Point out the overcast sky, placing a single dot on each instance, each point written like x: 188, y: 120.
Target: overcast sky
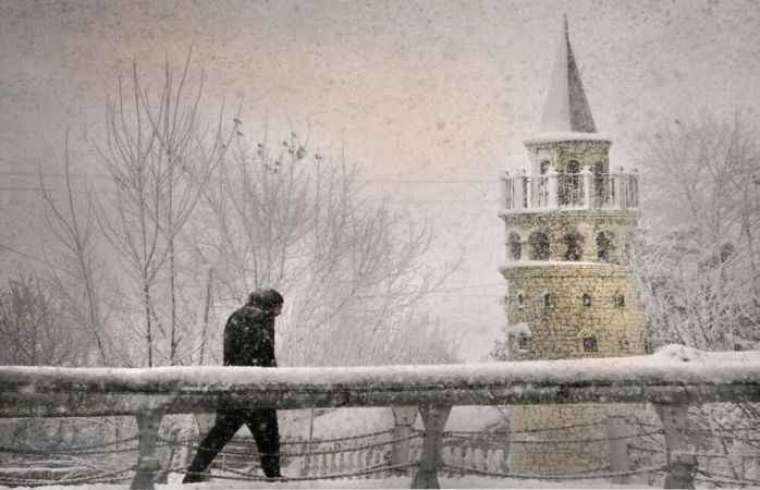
x: 433, y: 98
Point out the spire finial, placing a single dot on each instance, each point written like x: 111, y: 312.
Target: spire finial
x: 567, y: 27
x: 567, y: 108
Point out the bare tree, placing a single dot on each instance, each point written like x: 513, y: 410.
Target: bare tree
x: 159, y: 156
x: 34, y: 327
x: 74, y: 231
x: 284, y: 216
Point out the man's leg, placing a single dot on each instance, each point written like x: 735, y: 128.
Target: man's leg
x: 227, y: 423
x: 263, y: 426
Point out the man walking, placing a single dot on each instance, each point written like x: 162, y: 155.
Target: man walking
x: 248, y: 341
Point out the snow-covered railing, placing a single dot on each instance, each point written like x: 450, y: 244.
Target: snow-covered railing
x: 583, y: 190
x: 671, y: 380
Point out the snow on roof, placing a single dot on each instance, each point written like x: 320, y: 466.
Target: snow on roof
x: 475, y: 418
x: 519, y: 328
x: 557, y: 136
x: 555, y: 263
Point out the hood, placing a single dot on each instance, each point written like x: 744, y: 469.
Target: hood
x: 265, y: 299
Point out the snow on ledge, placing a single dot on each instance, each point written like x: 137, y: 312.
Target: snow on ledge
x: 678, y: 352
x: 554, y: 263
x: 673, y: 364
x: 560, y: 265
x: 556, y: 137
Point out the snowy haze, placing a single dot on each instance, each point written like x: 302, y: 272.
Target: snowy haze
x: 433, y: 98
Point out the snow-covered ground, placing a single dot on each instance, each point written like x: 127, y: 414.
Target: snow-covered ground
x: 395, y: 482
x: 365, y: 483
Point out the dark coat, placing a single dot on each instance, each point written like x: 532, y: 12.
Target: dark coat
x: 249, y: 338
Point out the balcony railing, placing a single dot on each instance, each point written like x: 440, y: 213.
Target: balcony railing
x: 584, y: 190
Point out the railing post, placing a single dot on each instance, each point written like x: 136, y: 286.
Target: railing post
x: 586, y: 179
x: 682, y: 463
x: 634, y: 182
x: 618, y: 447
x: 552, y: 178
x: 507, y: 191
x: 148, y: 465
x: 434, y: 418
x: 403, y: 418
x: 621, y: 188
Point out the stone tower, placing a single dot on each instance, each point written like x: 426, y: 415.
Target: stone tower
x: 569, y: 221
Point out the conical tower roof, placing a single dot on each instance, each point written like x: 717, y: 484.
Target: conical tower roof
x: 567, y: 109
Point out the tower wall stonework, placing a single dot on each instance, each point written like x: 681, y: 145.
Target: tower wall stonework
x: 585, y: 303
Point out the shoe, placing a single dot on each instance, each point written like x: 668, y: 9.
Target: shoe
x: 196, y: 477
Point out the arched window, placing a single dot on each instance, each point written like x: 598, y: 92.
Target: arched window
x: 544, y: 167
x: 589, y: 344
x: 520, y: 300
x: 573, y: 246
x: 515, y: 246
x: 523, y: 343
x: 604, y: 246
x: 586, y: 300
x: 574, y: 182
x: 619, y: 300
x: 539, y: 246
x: 549, y: 300
x: 569, y: 188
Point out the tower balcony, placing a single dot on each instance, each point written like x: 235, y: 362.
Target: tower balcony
x: 571, y: 191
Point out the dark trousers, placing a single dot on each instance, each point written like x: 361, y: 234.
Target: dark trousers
x: 263, y: 425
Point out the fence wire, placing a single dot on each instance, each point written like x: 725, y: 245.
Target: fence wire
x: 348, y: 445
x: 584, y: 441
x: 594, y: 474
x: 318, y: 452
x: 100, y: 478
x: 240, y: 475
x: 711, y: 476
x: 89, y: 449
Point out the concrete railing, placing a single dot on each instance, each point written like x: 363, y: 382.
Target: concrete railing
x: 670, y: 381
